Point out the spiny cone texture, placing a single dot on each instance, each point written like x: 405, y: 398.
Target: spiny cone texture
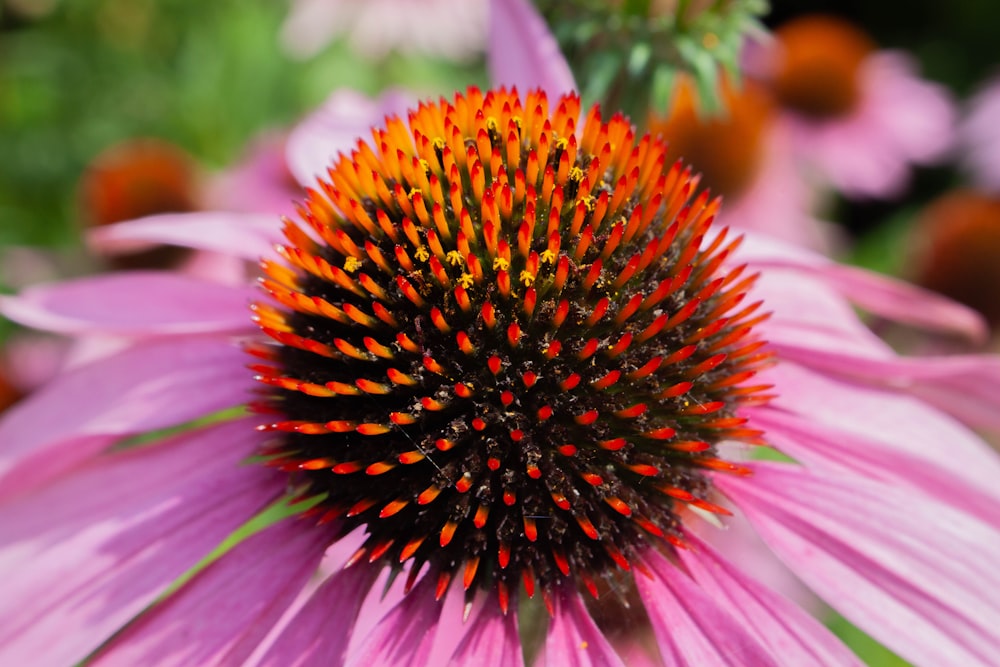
x: 503, y: 344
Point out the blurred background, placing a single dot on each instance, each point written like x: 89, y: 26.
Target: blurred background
x: 113, y: 109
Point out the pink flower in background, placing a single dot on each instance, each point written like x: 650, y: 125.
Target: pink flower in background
x: 454, y: 29
x: 980, y: 138
x: 859, y: 118
x: 745, y: 156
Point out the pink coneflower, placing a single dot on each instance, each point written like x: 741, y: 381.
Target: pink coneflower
x: 454, y: 29
x: 507, y: 364
x: 745, y: 156
x: 858, y: 117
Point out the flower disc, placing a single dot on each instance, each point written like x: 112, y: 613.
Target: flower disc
x: 504, y: 344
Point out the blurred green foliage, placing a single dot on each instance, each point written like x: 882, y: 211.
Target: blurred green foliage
x: 206, y: 76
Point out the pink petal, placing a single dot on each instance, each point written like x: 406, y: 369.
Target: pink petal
x: 825, y: 447
x: 888, y: 297
x: 223, y: 613
x: 245, y: 235
x: 93, y: 550
x: 908, y: 571
x: 492, y: 639
x: 522, y: 51
x: 319, y: 634
x: 967, y: 386
x: 690, y: 628
x: 346, y: 117
x: 405, y: 636
x: 132, y: 303
x: 574, y: 640
x: 146, y: 387
x: 259, y: 183
x: 893, y: 422
x: 794, y: 637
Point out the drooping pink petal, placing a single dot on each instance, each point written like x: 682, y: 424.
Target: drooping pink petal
x: 344, y: 118
x: 491, y: 639
x: 966, y: 386
x: 220, y: 615
x: 405, y: 635
x: 896, y: 423
x: 246, y: 235
x: 95, y: 549
x: 523, y: 52
x: 909, y: 571
x: 793, y: 636
x: 826, y: 447
x: 878, y: 294
x: 691, y: 629
x: 319, y: 633
x: 132, y: 303
x: 573, y: 639
x: 148, y: 386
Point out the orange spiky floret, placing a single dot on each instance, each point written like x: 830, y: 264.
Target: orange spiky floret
x: 497, y: 307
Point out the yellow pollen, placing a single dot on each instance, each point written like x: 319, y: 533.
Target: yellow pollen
x: 352, y: 264
x: 439, y: 144
x: 527, y: 278
x: 466, y: 280
x: 454, y: 257
x: 575, y: 174
x: 589, y: 201
x: 491, y: 124
x: 562, y: 143
x: 547, y: 256
x: 425, y: 165
x: 421, y: 254
x: 414, y: 191
x: 500, y: 264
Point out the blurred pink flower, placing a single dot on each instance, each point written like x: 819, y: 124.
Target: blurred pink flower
x: 454, y: 29
x: 980, y: 137
x: 859, y: 118
x: 745, y: 156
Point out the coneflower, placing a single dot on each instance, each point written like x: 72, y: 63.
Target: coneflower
x: 506, y: 363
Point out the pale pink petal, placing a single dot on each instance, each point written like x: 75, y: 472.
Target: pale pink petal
x: 691, y: 629
x: 146, y: 387
x: 491, y: 639
x: 523, y: 52
x: 878, y: 294
x: 405, y: 635
x: 907, y: 570
x: 966, y: 386
x: 755, y: 558
x: 247, y: 235
x: 319, y: 634
x: 794, y: 637
x: 218, y: 617
x: 260, y: 183
x: 132, y: 303
x: 97, y: 548
x: 336, y: 127
x: 573, y: 639
x: 826, y: 447
x: 893, y: 422
x: 980, y: 136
